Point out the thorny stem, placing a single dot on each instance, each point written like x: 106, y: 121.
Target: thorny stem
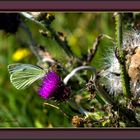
x: 119, y: 40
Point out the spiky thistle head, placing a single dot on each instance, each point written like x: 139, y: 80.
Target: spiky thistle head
x: 53, y: 86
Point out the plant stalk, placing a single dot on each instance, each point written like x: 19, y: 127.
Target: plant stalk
x: 119, y: 43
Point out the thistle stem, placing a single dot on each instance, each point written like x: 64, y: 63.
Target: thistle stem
x: 119, y: 40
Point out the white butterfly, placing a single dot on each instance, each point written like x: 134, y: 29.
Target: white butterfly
x: 23, y: 75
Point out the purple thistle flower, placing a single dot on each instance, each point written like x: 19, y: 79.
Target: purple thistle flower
x: 53, y: 86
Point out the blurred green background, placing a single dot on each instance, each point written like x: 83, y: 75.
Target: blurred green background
x: 25, y: 108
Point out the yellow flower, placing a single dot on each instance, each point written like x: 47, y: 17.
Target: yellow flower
x: 20, y: 54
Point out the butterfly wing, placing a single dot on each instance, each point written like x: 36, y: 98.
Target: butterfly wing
x: 23, y: 75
